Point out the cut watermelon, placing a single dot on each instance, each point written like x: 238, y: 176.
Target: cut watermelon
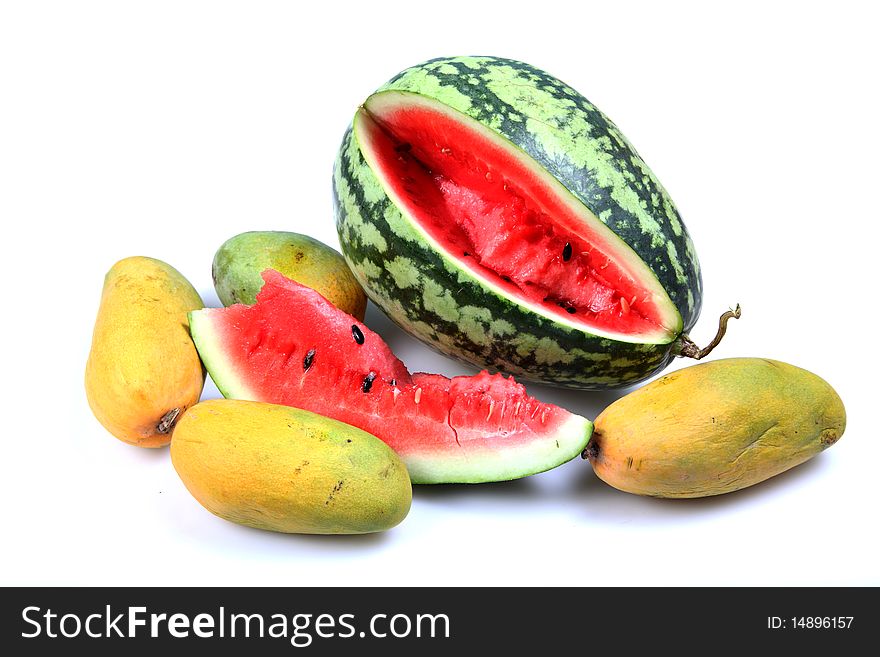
x: 497, y: 215
x: 482, y: 201
x: 295, y: 348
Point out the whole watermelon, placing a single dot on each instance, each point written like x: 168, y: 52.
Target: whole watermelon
x: 498, y: 216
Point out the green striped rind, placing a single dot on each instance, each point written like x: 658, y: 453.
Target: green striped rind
x: 439, y: 302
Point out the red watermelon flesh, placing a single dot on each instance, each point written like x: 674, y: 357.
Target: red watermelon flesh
x: 484, y: 206
x: 294, y: 347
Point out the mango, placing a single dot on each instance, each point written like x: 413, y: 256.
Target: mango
x: 714, y: 428
x: 143, y: 370
x: 287, y: 470
x: 239, y: 262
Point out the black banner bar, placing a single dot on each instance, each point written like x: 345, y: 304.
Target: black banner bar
x: 434, y: 621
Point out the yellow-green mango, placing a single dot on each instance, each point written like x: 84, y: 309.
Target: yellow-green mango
x: 143, y: 370
x: 287, y: 470
x: 239, y: 262
x: 715, y: 428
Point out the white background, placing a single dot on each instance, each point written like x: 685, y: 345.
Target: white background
x: 164, y: 128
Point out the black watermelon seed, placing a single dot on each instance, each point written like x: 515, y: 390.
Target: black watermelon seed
x: 569, y: 310
x: 307, y: 361
x: 392, y: 382
x: 368, y: 382
x: 566, y: 252
x: 356, y: 334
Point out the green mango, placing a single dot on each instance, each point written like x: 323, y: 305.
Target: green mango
x: 239, y: 262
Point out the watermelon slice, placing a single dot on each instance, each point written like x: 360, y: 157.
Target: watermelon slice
x: 293, y: 347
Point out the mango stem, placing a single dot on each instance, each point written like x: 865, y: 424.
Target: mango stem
x: 166, y: 422
x: 591, y: 451
x: 689, y: 348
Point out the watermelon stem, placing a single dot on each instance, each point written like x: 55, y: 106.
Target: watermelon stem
x: 689, y: 348
x: 166, y: 422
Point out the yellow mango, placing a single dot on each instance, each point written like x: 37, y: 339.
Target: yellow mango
x: 714, y: 428
x: 143, y: 370
x: 287, y: 470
